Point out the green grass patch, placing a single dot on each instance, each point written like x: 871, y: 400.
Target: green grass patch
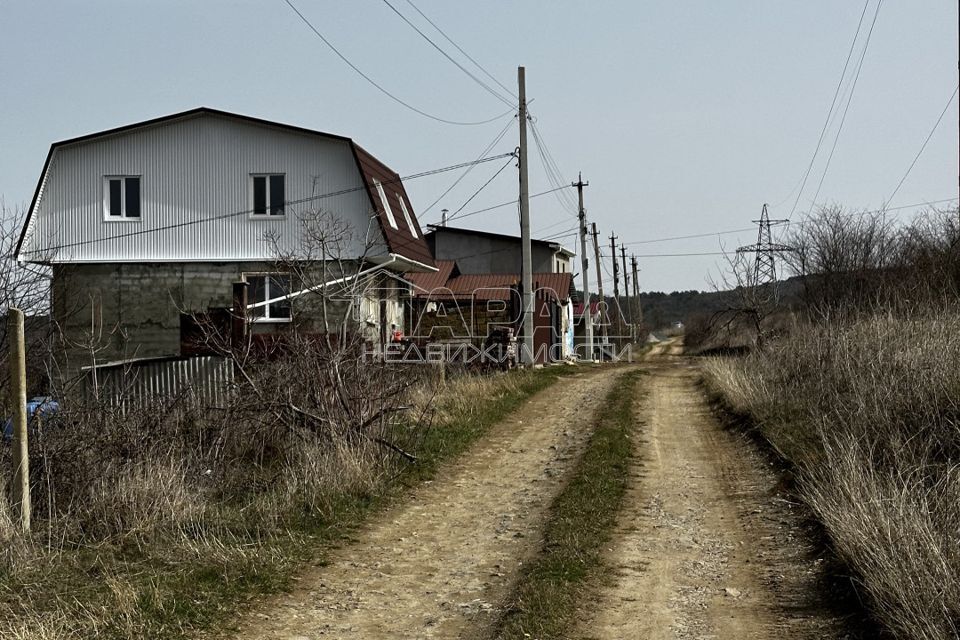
x: 581, y: 520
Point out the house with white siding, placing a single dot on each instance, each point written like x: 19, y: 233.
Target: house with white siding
x: 149, y: 223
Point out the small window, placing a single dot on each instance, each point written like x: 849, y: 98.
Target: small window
x: 406, y: 216
x: 265, y: 287
x: 121, y: 197
x: 269, y: 194
x: 386, y: 204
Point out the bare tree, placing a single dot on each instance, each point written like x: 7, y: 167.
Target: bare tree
x: 26, y: 287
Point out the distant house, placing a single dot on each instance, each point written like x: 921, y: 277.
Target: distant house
x: 485, y: 252
x: 149, y: 223
x: 455, y: 308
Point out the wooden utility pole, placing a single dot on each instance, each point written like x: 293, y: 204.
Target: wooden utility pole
x: 616, y: 276
x: 603, y: 301
x: 585, y: 265
x: 626, y: 288
x: 526, y: 276
x: 18, y: 411
x: 636, y: 293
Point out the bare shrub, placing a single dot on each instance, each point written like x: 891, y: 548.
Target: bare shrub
x: 853, y: 261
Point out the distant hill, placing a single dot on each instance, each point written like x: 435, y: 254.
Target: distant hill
x: 661, y: 310
x: 664, y: 309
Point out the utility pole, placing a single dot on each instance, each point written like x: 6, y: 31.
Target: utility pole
x: 636, y: 292
x: 616, y: 276
x: 626, y: 287
x: 585, y: 263
x: 18, y: 409
x: 526, y: 276
x: 603, y: 301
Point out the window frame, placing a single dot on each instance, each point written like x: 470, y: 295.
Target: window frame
x: 266, y: 318
x: 407, y: 217
x: 123, y: 217
x: 386, y: 204
x: 251, y: 196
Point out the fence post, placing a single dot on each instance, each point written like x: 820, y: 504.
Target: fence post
x: 238, y: 319
x: 18, y: 411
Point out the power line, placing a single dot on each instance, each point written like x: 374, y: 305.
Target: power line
x: 466, y: 172
x: 380, y: 87
x: 691, y: 236
x: 448, y: 56
x: 560, y: 234
x: 509, y: 203
x: 833, y: 103
x: 552, y: 225
x: 676, y: 255
x: 745, y: 229
x: 853, y: 89
x: 552, y: 171
x: 460, y: 49
x: 224, y: 216
x: 482, y: 187
x: 924, y: 146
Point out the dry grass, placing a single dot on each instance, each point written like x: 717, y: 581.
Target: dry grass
x: 158, y: 522
x: 869, y: 412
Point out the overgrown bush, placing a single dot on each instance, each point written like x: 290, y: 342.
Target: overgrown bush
x: 149, y: 519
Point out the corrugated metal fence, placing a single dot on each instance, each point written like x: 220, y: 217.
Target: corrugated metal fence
x: 144, y: 381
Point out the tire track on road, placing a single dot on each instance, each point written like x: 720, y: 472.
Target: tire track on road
x: 438, y: 565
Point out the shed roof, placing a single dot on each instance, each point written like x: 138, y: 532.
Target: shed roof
x: 490, y: 286
x: 552, y: 244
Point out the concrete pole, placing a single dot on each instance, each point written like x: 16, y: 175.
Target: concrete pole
x: 636, y: 292
x: 626, y: 288
x: 603, y: 301
x: 18, y: 412
x: 585, y: 265
x: 526, y: 276
x: 616, y: 281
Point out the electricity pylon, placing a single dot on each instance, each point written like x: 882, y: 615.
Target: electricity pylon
x: 765, y: 252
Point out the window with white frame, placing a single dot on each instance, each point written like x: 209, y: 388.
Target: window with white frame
x: 406, y: 216
x: 386, y: 204
x: 267, y: 194
x: 121, y: 197
x: 265, y: 297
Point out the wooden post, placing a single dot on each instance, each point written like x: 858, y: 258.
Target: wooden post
x: 18, y: 411
x: 238, y: 319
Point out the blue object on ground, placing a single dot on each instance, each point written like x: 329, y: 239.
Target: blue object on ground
x: 38, y: 406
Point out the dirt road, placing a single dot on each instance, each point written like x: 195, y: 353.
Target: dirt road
x: 436, y: 566
x: 705, y: 547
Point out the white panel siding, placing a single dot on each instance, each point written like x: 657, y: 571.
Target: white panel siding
x: 195, y: 180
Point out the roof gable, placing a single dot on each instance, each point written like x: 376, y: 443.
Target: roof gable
x: 406, y: 240
x: 402, y: 238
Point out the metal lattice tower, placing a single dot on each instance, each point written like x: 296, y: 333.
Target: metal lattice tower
x: 764, y: 266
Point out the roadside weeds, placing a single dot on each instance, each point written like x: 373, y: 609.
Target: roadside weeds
x: 177, y: 583
x: 581, y: 521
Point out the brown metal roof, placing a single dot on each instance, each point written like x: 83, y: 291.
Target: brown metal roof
x: 427, y: 281
x: 401, y: 240
x: 494, y: 286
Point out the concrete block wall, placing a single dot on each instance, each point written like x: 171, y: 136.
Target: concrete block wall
x: 108, y: 312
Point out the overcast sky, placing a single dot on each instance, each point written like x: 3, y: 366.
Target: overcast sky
x: 684, y: 116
